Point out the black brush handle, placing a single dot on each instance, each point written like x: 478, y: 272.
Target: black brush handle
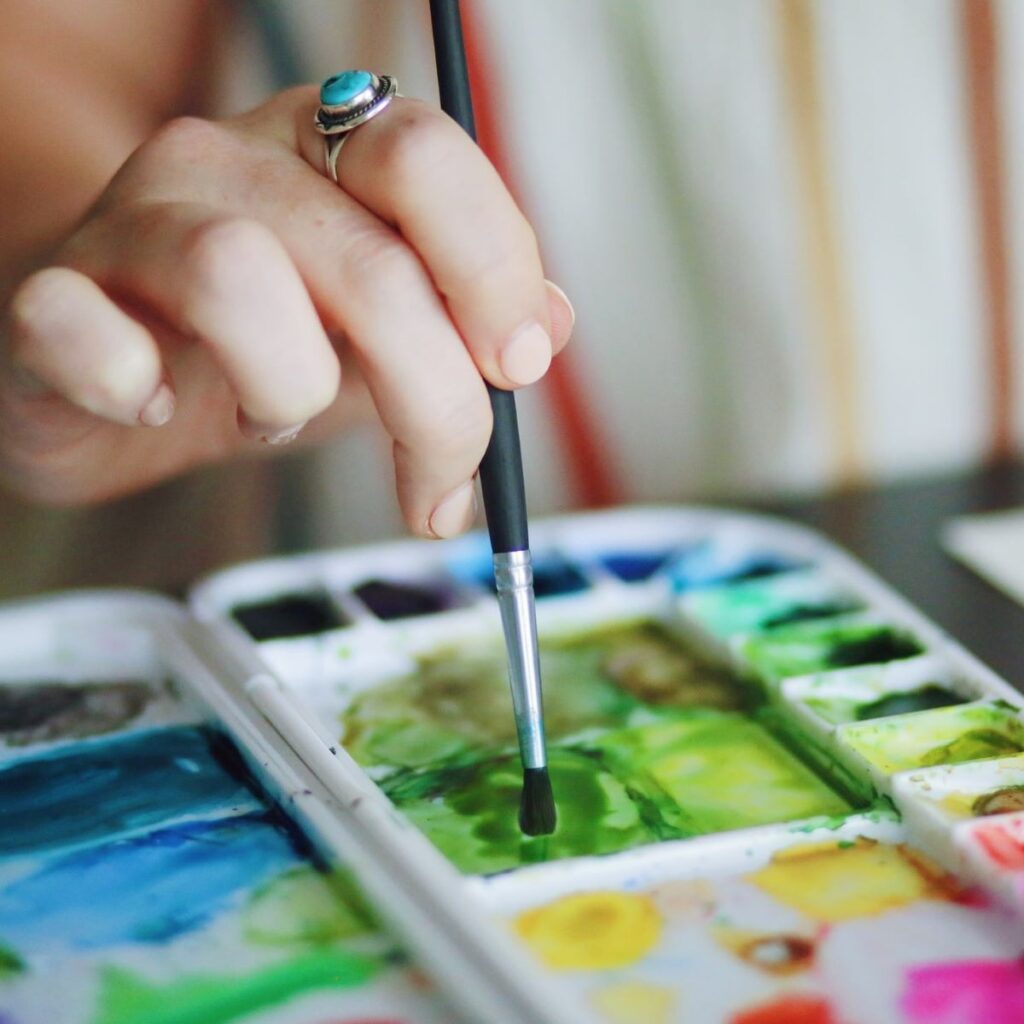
x: 501, y: 470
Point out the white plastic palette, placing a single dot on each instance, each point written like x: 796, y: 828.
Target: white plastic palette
x: 785, y: 860
x: 852, y: 678
x: 147, y: 868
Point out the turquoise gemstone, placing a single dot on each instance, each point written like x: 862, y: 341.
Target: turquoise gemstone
x: 343, y: 87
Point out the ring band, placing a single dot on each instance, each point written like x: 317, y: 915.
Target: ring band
x: 347, y: 100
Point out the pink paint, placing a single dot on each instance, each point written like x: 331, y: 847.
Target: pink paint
x: 969, y: 992
x: 1002, y: 843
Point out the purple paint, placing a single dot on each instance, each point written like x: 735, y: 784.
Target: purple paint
x: 968, y: 992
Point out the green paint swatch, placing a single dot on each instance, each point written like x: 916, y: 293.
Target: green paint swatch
x: 126, y: 998
x: 764, y: 604
x: 952, y: 735
x: 821, y: 646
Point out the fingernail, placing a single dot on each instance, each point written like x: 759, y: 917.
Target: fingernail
x: 455, y: 512
x: 285, y: 436
x: 564, y: 299
x: 527, y: 356
x: 159, y: 409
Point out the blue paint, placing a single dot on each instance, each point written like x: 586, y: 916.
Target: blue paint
x: 146, y: 889
x: 711, y: 563
x: 343, y: 87
x: 634, y: 566
x: 94, y: 791
x: 554, y: 576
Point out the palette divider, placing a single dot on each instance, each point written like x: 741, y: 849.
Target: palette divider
x: 427, y: 903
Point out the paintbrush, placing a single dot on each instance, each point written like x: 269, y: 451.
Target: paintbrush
x: 501, y: 480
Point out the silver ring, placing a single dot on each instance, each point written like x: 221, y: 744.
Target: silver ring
x: 347, y: 100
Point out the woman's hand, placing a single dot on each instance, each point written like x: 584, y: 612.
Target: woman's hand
x: 210, y: 299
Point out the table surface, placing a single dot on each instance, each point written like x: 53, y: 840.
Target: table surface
x: 895, y: 530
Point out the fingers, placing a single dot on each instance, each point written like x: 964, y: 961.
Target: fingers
x: 417, y: 170
x: 67, y: 337
x: 228, y: 282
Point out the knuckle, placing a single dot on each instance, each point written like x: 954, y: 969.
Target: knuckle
x: 186, y: 138
x: 458, y: 430
x: 41, y: 295
x: 419, y: 140
x: 218, y: 257
x: 376, y: 255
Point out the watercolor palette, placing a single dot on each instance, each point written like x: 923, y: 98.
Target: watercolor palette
x: 784, y: 796
x: 742, y: 721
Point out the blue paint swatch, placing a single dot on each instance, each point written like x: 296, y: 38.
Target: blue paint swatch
x: 98, y: 790
x: 633, y: 566
x: 146, y: 889
x: 711, y: 563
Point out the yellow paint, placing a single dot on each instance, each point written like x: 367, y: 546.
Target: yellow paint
x: 959, y: 805
x: 829, y: 883
x: 635, y: 1001
x: 592, y: 930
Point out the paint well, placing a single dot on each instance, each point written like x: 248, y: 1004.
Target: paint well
x: 97, y: 790
x: 389, y: 599
x: 763, y: 604
x: 716, y: 562
x: 823, y: 646
x: 47, y: 711
x: 953, y: 735
x: 633, y: 566
x: 290, y: 615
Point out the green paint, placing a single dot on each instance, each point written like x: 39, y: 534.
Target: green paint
x: 702, y: 771
x: 646, y: 743
x: 470, y: 811
x: 763, y: 604
x: 125, y: 998
x: 305, y: 906
x: 822, y: 646
x: 951, y: 735
x: 11, y: 965
x: 928, y: 697
x: 840, y: 709
x: 720, y: 770
x: 458, y: 703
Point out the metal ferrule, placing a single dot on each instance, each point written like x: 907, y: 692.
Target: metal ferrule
x: 513, y: 574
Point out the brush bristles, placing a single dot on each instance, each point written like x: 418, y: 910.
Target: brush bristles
x: 537, y: 807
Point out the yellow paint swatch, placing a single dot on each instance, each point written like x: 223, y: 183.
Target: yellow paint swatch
x: 592, y: 930
x: 830, y: 883
x: 634, y: 1001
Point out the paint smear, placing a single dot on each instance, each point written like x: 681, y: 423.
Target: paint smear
x: 970, y: 992
x: 591, y: 931
x: 97, y: 790
x: 646, y: 743
x: 44, y: 712
x: 458, y: 702
x: 126, y: 998
x: 971, y: 732
x: 145, y: 889
x: 307, y: 906
x: 700, y: 772
x: 835, y: 883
